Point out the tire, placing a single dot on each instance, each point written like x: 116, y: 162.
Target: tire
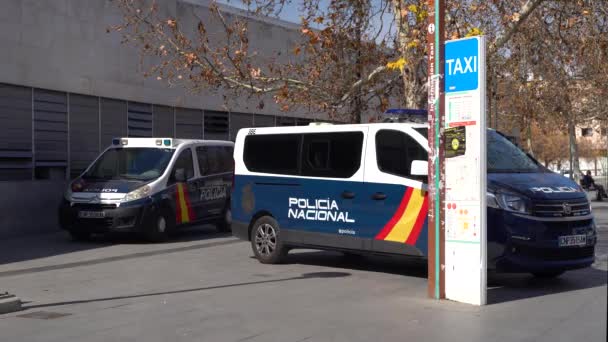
x: 79, y: 235
x: 266, y: 241
x: 160, y: 228
x: 225, y: 224
x: 548, y: 274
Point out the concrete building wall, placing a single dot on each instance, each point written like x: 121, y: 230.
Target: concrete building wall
x: 63, y: 45
x: 67, y: 87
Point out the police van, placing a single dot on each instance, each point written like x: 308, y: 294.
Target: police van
x: 151, y: 186
x: 362, y: 189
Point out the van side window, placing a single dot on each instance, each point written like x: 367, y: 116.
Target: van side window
x: 273, y: 153
x: 335, y: 155
x: 184, y: 161
x: 395, y: 152
x: 214, y: 159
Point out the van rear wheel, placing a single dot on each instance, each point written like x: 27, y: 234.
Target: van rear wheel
x: 224, y: 225
x: 266, y: 241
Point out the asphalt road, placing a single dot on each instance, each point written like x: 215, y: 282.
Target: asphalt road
x: 207, y: 287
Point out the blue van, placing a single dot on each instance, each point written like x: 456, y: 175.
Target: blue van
x: 362, y: 189
x: 151, y: 186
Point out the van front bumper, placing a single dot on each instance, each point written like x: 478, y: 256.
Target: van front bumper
x: 530, y: 244
x: 125, y: 218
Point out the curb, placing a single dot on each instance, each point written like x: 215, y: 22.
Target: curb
x: 9, y: 303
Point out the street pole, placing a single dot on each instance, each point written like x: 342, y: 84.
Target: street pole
x: 436, y: 227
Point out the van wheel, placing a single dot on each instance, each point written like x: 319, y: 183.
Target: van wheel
x: 224, y: 225
x: 79, y: 235
x: 266, y: 241
x: 160, y: 227
x: 548, y: 275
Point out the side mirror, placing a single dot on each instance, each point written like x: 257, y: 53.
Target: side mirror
x: 419, y: 168
x: 179, y: 175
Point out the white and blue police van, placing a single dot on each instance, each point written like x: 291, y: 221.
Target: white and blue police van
x: 362, y: 189
x: 151, y: 186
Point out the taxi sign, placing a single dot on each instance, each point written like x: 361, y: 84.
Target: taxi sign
x: 462, y: 64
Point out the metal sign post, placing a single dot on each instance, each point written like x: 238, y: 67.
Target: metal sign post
x: 435, y: 44
x: 465, y: 171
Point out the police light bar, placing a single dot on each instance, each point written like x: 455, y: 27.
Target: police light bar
x: 143, y: 142
x: 406, y: 115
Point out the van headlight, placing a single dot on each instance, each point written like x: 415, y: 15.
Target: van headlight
x: 75, y: 186
x: 138, y: 193
x: 508, y: 201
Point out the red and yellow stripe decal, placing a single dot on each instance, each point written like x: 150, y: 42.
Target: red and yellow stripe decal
x: 406, y: 224
x: 183, y: 208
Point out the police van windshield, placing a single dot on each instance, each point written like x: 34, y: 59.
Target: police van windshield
x: 505, y: 157
x: 140, y: 164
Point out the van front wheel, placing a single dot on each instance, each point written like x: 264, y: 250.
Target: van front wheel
x: 160, y: 227
x: 266, y: 241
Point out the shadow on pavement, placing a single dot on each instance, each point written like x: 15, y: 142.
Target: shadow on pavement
x: 314, y: 275
x: 46, y: 245
x: 502, y: 288
x: 410, y: 267
x: 510, y: 287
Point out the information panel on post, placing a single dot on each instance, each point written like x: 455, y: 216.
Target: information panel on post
x: 465, y: 171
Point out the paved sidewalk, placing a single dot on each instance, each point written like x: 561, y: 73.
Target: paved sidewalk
x: 207, y: 287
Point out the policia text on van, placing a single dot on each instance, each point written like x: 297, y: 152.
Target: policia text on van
x: 361, y: 189
x: 151, y: 185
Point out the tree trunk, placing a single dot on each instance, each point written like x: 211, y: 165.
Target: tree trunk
x: 414, y: 92
x: 574, y: 165
x: 529, y: 137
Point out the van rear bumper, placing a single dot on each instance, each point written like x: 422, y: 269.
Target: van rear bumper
x: 130, y: 218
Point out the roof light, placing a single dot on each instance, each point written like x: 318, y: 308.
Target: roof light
x: 167, y: 142
x: 159, y: 142
x: 124, y: 142
x: 115, y: 141
x: 406, y: 115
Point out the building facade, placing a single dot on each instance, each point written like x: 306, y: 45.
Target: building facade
x: 67, y: 86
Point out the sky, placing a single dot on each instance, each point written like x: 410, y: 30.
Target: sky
x: 292, y: 12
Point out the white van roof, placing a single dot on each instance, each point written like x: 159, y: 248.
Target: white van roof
x: 164, y: 142
x: 332, y: 128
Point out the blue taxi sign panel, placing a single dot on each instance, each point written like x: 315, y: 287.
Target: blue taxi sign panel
x: 462, y: 65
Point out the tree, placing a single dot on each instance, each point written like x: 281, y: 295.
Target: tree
x: 350, y: 57
x: 562, y: 52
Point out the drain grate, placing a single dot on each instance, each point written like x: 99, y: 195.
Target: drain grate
x: 44, y: 315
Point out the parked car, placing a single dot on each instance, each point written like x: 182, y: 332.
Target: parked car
x: 151, y: 186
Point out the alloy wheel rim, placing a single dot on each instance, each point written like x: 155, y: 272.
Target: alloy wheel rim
x: 265, y: 239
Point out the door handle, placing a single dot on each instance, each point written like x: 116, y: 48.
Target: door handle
x: 379, y: 196
x: 348, y: 194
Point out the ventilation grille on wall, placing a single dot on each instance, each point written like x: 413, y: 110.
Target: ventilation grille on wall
x: 139, y: 119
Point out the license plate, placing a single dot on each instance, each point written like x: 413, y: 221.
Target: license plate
x: 91, y: 214
x: 572, y: 240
